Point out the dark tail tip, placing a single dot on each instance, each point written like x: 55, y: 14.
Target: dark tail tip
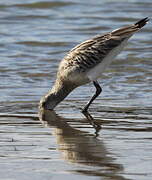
x: 142, y: 22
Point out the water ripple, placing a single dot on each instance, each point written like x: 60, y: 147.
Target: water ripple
x: 35, y: 36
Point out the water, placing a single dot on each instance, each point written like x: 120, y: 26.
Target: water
x: 35, y: 35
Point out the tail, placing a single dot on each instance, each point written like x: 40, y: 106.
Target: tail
x: 130, y: 30
x: 142, y: 22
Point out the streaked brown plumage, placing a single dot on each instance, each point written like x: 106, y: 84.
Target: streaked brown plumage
x: 86, y: 62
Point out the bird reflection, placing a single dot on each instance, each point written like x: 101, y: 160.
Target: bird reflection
x: 77, y: 146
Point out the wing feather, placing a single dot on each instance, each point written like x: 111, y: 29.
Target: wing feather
x: 91, y: 52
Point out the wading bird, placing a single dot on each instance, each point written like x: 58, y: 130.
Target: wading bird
x: 86, y: 62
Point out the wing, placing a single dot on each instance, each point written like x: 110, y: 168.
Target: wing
x: 92, y: 52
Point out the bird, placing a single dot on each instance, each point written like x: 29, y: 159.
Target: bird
x: 86, y: 62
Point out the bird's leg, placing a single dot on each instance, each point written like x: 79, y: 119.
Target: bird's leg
x: 98, y: 91
x: 97, y: 126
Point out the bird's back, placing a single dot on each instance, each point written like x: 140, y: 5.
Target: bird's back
x: 93, y: 56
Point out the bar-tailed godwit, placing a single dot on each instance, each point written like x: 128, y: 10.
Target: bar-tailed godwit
x: 86, y: 62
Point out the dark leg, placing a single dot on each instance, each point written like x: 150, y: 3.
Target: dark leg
x: 97, y: 126
x: 98, y: 91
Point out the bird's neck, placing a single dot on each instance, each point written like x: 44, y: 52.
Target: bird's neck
x: 58, y: 92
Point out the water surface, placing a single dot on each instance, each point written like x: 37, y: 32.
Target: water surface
x: 35, y: 35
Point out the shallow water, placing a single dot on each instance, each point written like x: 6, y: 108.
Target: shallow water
x: 35, y: 35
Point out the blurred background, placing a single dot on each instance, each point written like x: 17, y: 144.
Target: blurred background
x: 34, y: 36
